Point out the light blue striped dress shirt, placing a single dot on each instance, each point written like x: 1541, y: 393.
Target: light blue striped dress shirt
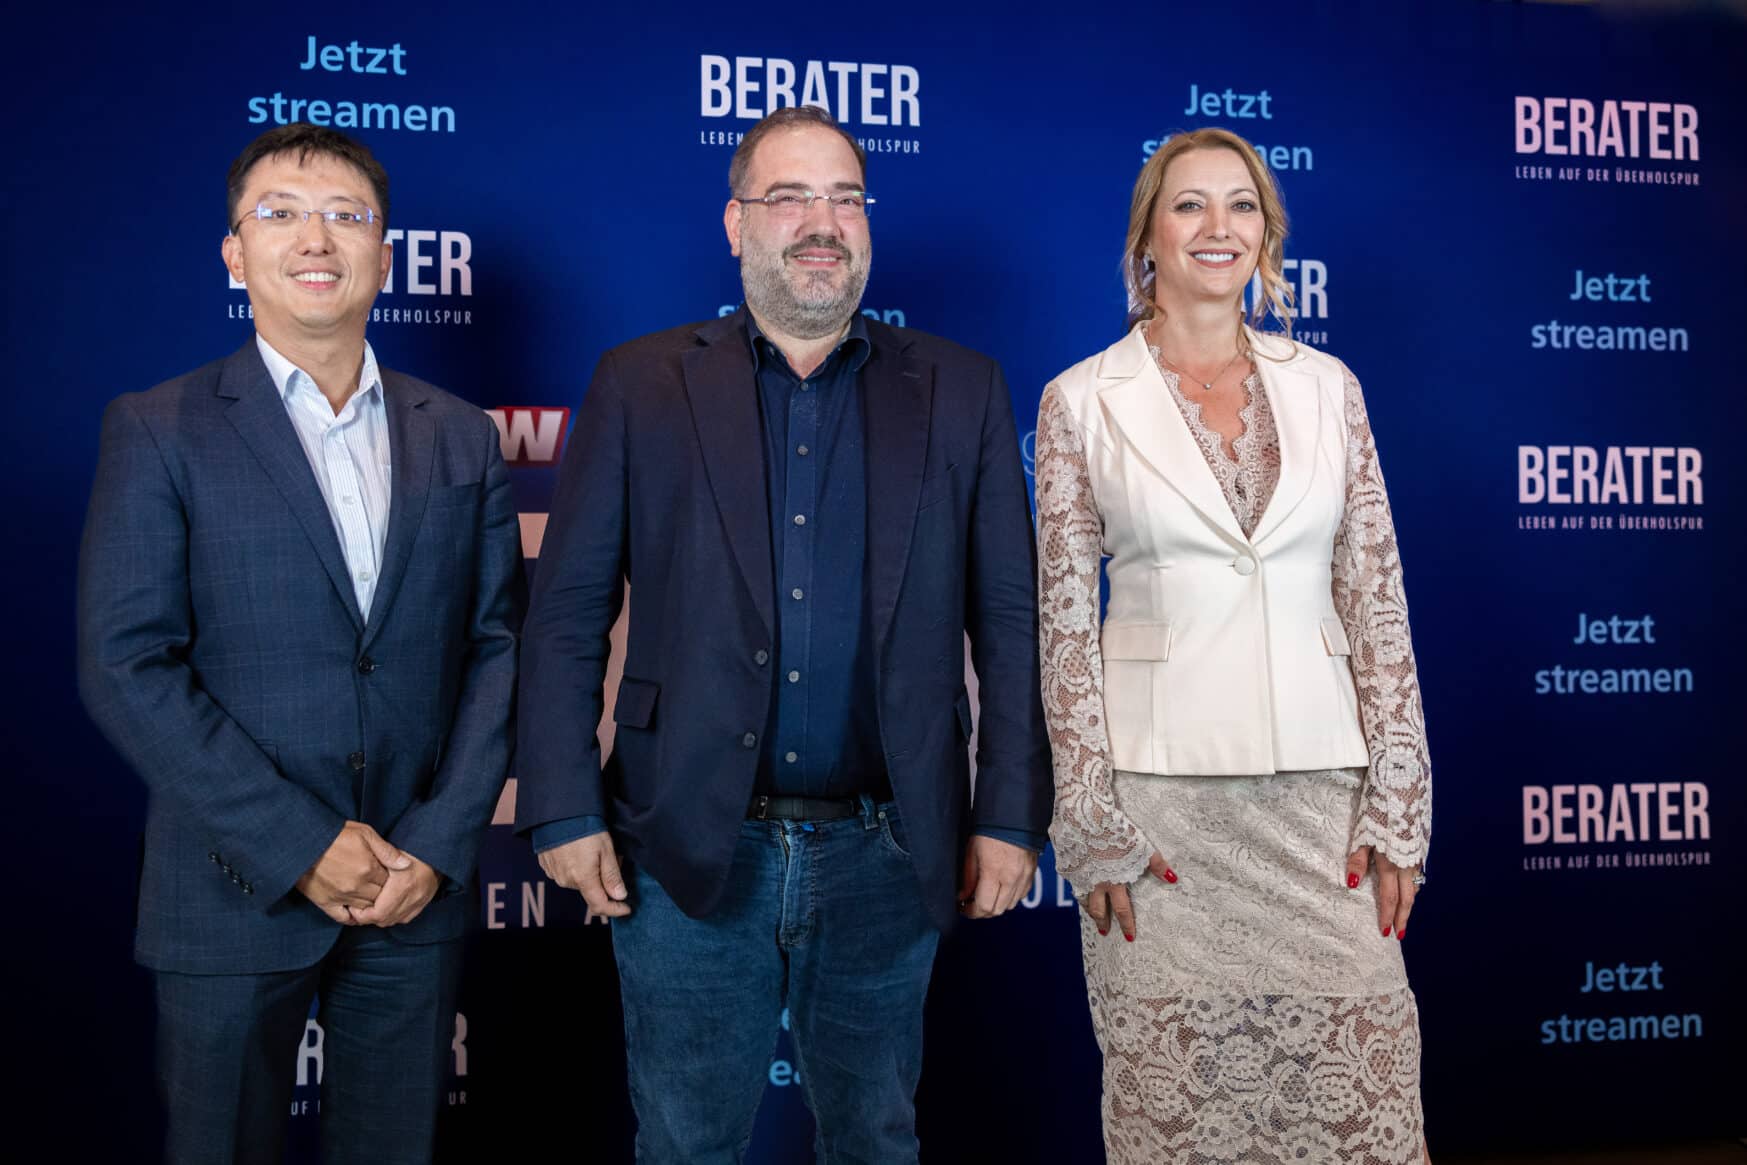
x: 349, y: 455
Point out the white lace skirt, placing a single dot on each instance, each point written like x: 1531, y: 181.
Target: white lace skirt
x: 1259, y: 1015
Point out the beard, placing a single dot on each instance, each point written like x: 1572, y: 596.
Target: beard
x: 808, y: 305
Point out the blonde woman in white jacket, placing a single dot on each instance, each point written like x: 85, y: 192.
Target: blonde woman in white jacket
x: 1243, y: 790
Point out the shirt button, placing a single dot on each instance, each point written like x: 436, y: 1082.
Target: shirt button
x: 761, y: 657
x: 802, y: 450
x: 800, y: 519
x: 750, y: 740
x: 363, y: 576
x: 1244, y: 564
x: 798, y: 593
x: 350, y: 501
x: 791, y: 757
x: 806, y: 386
x: 794, y: 677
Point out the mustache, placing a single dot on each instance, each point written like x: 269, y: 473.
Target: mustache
x: 816, y: 243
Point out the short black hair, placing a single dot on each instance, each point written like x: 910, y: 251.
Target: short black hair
x: 303, y: 139
x: 786, y: 117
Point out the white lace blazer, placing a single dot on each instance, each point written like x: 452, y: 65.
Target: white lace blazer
x: 1222, y: 652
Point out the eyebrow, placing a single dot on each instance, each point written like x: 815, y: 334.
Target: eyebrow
x: 299, y: 198
x: 1203, y: 193
x: 792, y: 185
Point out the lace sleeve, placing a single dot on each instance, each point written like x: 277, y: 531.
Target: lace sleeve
x: 1395, y: 814
x: 1094, y: 842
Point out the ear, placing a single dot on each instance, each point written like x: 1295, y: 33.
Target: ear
x: 232, y: 250
x: 731, y: 215
x: 385, y: 266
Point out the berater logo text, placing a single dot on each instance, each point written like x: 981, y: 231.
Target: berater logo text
x: 1629, y: 131
x: 864, y: 94
x: 861, y: 95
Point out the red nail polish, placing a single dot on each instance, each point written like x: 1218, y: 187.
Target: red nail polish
x: 1400, y: 933
x: 1129, y: 937
x: 1170, y: 875
x: 1352, y: 881
x: 1386, y: 932
x: 1104, y: 932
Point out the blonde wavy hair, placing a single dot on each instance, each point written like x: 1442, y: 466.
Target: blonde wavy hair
x: 1137, y: 271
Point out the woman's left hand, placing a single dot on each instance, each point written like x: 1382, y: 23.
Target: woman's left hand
x: 1395, y: 888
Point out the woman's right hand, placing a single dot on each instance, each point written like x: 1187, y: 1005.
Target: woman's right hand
x: 1110, y: 899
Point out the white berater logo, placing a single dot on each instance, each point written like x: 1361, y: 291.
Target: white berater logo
x: 1617, y: 129
x: 865, y: 94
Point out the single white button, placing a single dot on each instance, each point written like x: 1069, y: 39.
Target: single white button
x: 1244, y: 564
x: 350, y: 501
x: 791, y: 757
x: 794, y: 677
x: 798, y: 593
x: 363, y: 576
x: 800, y: 519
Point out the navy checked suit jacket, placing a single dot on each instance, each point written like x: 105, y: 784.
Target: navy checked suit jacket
x: 663, y: 488
x: 222, y: 652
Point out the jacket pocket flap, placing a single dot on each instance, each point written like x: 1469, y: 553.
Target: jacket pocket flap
x: 962, y: 706
x: 635, y: 707
x: 1136, y: 641
x: 1334, y: 636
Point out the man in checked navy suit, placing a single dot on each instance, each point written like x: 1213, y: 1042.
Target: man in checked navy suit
x: 811, y: 511
x: 299, y: 599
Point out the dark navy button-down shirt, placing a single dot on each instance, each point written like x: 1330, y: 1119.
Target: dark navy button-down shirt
x: 823, y: 739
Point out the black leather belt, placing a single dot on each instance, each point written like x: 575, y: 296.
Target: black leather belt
x: 802, y: 808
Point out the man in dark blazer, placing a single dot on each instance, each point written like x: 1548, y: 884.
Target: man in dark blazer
x: 299, y: 599
x: 811, y: 510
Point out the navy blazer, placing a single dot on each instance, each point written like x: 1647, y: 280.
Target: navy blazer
x: 222, y: 652
x: 663, y: 490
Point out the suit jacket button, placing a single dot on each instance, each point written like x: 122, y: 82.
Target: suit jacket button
x: 1244, y: 564
x: 750, y: 740
x: 761, y: 657
x: 366, y: 665
x: 356, y: 761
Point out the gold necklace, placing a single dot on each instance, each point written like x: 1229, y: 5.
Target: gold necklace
x: 1207, y: 385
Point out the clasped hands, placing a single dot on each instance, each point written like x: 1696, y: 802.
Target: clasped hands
x: 1396, y: 891
x: 364, y: 880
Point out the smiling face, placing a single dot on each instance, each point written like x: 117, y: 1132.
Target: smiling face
x: 1207, y: 229
x: 307, y: 281
x: 803, y: 275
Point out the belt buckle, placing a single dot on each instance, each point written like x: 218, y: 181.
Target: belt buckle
x: 761, y: 809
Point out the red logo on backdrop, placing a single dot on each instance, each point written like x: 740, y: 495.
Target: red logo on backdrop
x: 530, y: 435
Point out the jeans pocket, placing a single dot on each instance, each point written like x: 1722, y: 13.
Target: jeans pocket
x: 892, y: 833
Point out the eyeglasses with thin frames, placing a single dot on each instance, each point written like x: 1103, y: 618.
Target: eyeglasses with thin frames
x: 846, y: 204
x: 278, y: 216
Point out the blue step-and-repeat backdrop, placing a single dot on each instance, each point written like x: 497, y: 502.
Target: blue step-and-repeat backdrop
x: 1521, y: 225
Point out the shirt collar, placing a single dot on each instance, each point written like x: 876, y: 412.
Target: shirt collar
x: 855, y: 344
x: 286, y: 375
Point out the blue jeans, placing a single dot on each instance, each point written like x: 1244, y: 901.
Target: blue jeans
x: 825, y: 917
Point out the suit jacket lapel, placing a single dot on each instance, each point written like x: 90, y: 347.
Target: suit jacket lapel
x: 259, y: 416
x: 1140, y: 406
x: 1296, y: 399
x: 412, y: 443
x: 898, y: 395
x: 721, y: 386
